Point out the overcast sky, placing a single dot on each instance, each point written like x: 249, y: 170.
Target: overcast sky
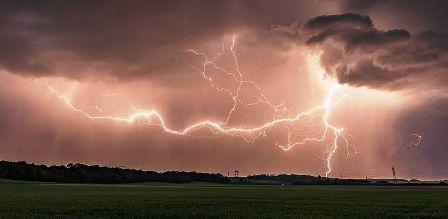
x: 117, y: 58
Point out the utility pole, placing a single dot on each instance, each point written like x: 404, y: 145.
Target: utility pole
x: 393, y: 174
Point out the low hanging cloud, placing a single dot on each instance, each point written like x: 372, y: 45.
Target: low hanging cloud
x: 126, y: 40
x: 356, y: 53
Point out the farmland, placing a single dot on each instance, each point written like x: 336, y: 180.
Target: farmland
x: 36, y: 200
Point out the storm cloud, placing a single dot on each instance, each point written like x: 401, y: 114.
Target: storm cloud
x: 355, y: 52
x: 126, y: 40
x: 149, y: 39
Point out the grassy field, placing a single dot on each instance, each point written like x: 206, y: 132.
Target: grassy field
x: 29, y: 199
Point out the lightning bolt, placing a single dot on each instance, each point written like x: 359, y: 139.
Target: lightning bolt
x: 412, y: 143
x: 250, y: 134
x: 418, y: 140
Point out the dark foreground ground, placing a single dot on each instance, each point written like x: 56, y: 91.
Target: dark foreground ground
x: 29, y: 199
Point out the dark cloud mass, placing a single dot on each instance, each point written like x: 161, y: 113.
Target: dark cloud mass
x: 340, y: 21
x: 357, y: 53
x: 149, y: 39
x: 125, y: 39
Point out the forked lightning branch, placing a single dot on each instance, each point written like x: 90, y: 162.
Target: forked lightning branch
x: 330, y: 136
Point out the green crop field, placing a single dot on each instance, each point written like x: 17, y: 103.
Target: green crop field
x: 39, y: 200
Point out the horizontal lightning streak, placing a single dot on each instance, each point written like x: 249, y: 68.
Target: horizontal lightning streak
x: 221, y: 127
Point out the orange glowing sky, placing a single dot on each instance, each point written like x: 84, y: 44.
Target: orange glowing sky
x: 291, y: 93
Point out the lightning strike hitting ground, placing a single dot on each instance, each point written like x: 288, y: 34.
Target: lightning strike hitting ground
x: 330, y: 133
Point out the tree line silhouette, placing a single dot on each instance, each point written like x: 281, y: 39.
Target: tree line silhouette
x: 80, y: 173
x: 307, y: 180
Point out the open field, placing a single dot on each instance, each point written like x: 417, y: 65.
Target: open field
x: 20, y: 199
